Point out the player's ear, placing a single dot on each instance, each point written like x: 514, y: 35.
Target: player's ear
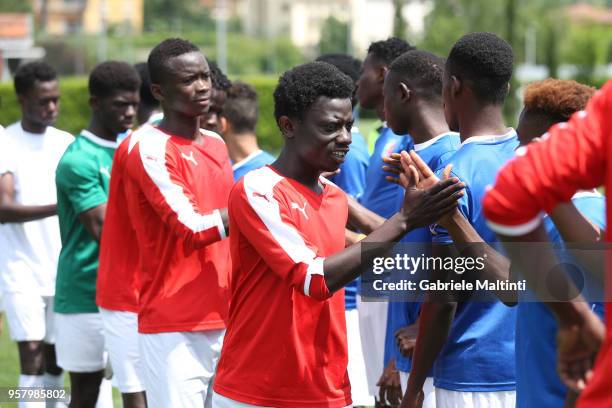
x: 405, y: 93
x: 94, y: 102
x: 286, y: 126
x: 382, y: 73
x: 156, y: 90
x: 456, y: 86
x: 223, y: 125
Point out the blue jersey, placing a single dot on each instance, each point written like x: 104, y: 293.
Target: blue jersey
x: 379, y: 195
x: 401, y: 314
x: 537, y: 381
x: 351, y: 180
x: 251, y: 162
x: 479, y: 353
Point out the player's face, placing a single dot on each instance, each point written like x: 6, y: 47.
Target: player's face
x: 369, y: 84
x: 449, y: 103
x: 118, y: 111
x: 395, y: 104
x: 323, y: 137
x: 187, y: 87
x: 531, y: 126
x: 212, y: 120
x: 40, y: 104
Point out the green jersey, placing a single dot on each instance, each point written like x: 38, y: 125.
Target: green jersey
x: 82, y: 179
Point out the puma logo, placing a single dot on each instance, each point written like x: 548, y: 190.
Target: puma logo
x: 104, y: 170
x: 301, y: 209
x: 189, y: 158
x: 256, y: 194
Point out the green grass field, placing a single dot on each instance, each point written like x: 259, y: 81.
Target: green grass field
x: 9, y: 366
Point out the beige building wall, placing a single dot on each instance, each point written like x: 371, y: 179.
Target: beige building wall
x: 89, y: 16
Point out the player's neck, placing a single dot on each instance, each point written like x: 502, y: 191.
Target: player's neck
x: 182, y: 126
x: 429, y: 123
x: 290, y: 166
x: 32, y: 127
x: 482, y: 121
x: 240, y: 146
x: 96, y: 127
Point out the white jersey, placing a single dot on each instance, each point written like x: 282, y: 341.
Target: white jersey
x: 29, y: 251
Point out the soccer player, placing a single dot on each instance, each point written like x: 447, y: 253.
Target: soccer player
x: 573, y: 156
x: 538, y: 384
x: 471, y: 342
x: 351, y: 180
x: 378, y: 195
x: 118, y: 277
x: 240, y: 113
x: 82, y: 178
x: 413, y: 105
x: 212, y: 119
x: 352, y: 174
x: 287, y: 244
x: 179, y: 177
x: 30, y: 239
x: 148, y: 108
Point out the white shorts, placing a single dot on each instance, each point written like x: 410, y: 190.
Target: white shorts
x: 179, y: 367
x: 372, y: 326
x: 121, y: 338
x: 458, y: 399
x: 29, y: 316
x: 356, y: 363
x: 80, y: 342
x: 428, y: 389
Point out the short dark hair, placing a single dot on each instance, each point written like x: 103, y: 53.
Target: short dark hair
x: 388, y: 50
x: 29, y: 73
x: 347, y: 64
x: 423, y: 70
x: 240, y: 107
x: 218, y: 79
x: 165, y: 50
x: 111, y: 76
x: 557, y: 99
x: 486, y: 61
x: 300, y: 87
x: 146, y: 96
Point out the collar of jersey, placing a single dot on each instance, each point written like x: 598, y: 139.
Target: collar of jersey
x: 490, y: 138
x: 98, y: 140
x: 246, y: 159
x: 425, y: 145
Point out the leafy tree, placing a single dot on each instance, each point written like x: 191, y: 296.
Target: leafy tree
x: 15, y: 6
x: 334, y: 36
x: 400, y: 26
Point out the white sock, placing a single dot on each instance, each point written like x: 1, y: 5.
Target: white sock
x: 105, y: 397
x: 54, y: 382
x: 31, y: 381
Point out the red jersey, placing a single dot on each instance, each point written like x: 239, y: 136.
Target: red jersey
x: 117, y: 285
x: 177, y: 187
x: 573, y: 156
x: 285, y: 344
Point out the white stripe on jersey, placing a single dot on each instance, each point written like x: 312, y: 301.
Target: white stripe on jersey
x: 262, y: 182
x: 516, y: 230
x: 153, y: 156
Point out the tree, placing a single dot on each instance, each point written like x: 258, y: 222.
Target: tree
x: 400, y: 26
x: 15, y: 6
x: 334, y: 36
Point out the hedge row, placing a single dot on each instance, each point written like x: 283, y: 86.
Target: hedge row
x: 74, y: 113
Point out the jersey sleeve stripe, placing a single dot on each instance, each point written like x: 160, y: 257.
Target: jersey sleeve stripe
x: 259, y: 186
x: 515, y: 230
x: 315, y: 268
x: 153, y: 156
